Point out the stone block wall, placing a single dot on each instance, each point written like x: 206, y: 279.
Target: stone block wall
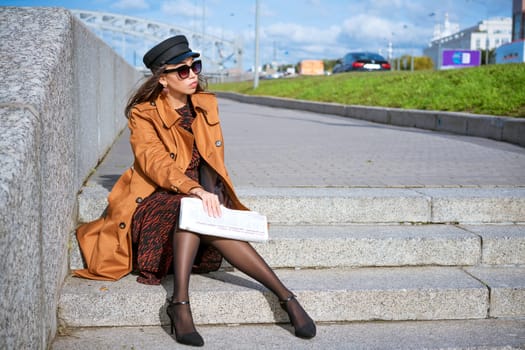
x: 62, y: 98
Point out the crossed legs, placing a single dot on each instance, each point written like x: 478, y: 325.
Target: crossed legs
x: 239, y: 254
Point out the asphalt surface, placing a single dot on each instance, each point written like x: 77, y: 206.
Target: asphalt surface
x: 272, y: 147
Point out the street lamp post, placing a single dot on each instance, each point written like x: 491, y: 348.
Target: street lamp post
x: 487, y: 45
x: 256, y: 68
x: 411, y: 52
x: 438, y: 38
x: 439, y: 54
x: 391, y: 51
x: 203, y: 18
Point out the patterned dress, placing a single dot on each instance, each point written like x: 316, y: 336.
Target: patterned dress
x: 155, y: 221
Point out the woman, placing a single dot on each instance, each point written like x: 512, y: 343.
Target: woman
x: 177, y: 143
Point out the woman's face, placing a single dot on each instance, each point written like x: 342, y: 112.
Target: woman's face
x: 181, y: 78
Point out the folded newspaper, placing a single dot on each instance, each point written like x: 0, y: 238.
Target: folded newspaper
x: 235, y: 224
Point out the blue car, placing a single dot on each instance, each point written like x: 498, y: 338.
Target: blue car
x: 361, y: 61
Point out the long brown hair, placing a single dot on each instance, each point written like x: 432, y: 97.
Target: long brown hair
x: 151, y: 89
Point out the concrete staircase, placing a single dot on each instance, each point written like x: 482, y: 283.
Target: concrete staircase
x: 446, y: 267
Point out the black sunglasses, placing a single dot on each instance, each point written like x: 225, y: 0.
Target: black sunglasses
x: 184, y: 71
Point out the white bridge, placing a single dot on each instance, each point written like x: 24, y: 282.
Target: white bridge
x: 131, y: 37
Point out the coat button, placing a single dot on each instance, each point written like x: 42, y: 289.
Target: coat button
x: 122, y: 225
x: 218, y: 143
x: 172, y: 155
x: 139, y: 200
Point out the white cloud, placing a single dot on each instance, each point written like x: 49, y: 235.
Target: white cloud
x: 297, y: 33
x: 315, y: 2
x: 266, y: 11
x: 131, y: 5
x: 294, y: 42
x: 183, y: 8
x: 373, y: 32
x: 368, y: 27
x: 310, y: 32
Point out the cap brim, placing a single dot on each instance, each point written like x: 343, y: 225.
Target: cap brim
x: 180, y: 58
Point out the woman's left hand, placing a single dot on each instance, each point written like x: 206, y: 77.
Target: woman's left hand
x: 210, y: 201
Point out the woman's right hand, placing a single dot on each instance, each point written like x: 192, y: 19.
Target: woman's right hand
x: 210, y: 201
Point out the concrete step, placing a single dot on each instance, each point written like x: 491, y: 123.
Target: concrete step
x: 330, y: 295
x: 393, y: 245
x: 319, y: 206
x: 485, y: 334
x: 385, y: 245
x: 387, y: 205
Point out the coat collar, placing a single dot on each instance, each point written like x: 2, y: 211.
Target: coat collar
x: 167, y: 113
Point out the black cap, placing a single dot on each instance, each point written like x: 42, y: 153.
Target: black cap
x: 170, y: 51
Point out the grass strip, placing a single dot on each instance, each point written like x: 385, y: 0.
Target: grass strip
x: 497, y: 90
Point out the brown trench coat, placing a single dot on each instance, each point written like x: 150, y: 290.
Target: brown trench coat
x: 162, y: 153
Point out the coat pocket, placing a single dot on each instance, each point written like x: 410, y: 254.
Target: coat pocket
x: 211, y: 117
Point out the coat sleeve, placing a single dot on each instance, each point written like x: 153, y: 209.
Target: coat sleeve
x: 154, y: 158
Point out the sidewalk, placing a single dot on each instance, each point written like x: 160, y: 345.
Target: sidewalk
x: 271, y: 147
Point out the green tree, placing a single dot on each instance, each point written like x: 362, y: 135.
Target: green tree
x: 423, y: 63
x: 298, y: 66
x: 405, y: 63
x: 329, y: 64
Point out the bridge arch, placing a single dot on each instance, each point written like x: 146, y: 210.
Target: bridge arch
x: 131, y: 37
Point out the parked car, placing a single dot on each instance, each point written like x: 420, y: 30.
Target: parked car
x: 361, y: 61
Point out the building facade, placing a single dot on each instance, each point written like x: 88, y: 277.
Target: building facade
x: 490, y: 33
x: 514, y: 52
x: 518, y: 20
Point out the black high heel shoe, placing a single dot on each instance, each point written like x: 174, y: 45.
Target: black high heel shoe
x: 193, y: 338
x: 308, y: 330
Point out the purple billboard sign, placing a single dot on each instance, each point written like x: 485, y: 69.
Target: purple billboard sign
x: 460, y: 58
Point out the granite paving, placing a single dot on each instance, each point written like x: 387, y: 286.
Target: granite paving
x: 273, y: 147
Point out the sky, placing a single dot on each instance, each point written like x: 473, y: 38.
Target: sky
x: 294, y: 30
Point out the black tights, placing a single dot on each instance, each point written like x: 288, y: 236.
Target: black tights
x: 240, y: 255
